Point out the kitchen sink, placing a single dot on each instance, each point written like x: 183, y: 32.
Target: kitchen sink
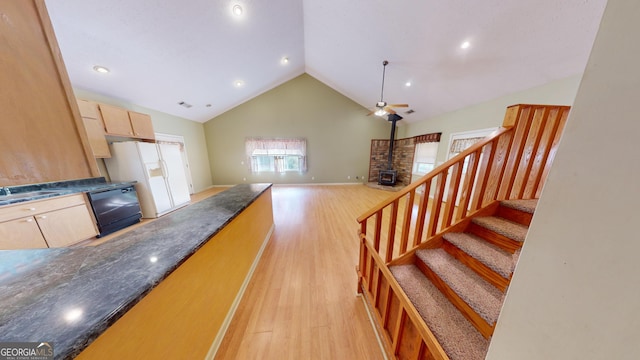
x: 28, y: 194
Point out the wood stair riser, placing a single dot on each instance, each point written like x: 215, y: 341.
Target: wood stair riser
x: 481, y: 269
x: 494, y: 238
x: 517, y: 216
x: 476, y: 320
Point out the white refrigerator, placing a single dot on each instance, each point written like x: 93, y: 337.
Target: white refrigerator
x: 158, y: 169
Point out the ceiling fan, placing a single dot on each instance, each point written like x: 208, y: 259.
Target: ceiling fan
x: 382, y: 108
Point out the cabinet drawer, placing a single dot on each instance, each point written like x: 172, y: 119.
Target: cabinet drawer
x: 30, y: 208
x: 22, y: 233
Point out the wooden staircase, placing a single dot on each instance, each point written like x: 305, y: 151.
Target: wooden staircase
x: 471, y: 270
x: 437, y: 257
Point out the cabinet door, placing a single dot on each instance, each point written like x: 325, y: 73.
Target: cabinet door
x: 67, y: 226
x: 95, y: 133
x: 88, y: 109
x: 142, y: 126
x: 94, y: 127
x: 116, y: 120
x: 21, y: 233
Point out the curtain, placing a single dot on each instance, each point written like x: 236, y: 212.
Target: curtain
x: 458, y: 145
x: 427, y: 138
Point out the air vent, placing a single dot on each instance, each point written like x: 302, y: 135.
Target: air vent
x: 182, y: 103
x: 410, y: 111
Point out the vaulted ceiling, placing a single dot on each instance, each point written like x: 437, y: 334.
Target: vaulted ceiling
x: 161, y: 53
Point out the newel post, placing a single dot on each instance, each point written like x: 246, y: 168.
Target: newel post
x: 511, y: 116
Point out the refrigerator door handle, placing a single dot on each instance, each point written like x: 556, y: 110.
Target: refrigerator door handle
x: 163, y: 166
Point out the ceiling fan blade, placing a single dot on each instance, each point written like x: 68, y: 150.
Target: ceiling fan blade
x: 398, y: 105
x: 389, y: 110
x: 370, y: 113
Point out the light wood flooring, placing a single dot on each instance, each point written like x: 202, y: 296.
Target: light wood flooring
x: 301, y: 302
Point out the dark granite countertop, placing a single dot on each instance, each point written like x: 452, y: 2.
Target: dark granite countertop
x: 14, y: 194
x: 69, y: 296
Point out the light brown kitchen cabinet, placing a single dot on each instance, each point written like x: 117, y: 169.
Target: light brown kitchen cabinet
x: 52, y: 222
x: 66, y: 226
x: 22, y: 233
x: 116, y: 120
x: 42, y: 137
x: 94, y: 127
x: 124, y: 123
x: 141, y: 125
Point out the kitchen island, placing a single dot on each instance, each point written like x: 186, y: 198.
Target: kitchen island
x: 168, y: 287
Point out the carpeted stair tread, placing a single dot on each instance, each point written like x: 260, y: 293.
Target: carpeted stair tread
x: 484, y: 298
x: 459, y: 339
x: 503, y: 227
x: 490, y: 255
x: 528, y: 206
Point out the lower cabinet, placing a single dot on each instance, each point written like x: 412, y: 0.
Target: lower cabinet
x: 66, y: 226
x: 21, y: 233
x: 55, y: 222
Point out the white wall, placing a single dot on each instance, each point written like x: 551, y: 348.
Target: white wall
x: 575, y: 293
x: 491, y: 113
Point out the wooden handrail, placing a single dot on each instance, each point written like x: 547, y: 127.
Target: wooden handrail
x: 512, y: 163
x: 440, y: 168
x: 496, y: 168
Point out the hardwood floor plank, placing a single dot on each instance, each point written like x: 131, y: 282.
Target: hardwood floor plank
x: 301, y: 303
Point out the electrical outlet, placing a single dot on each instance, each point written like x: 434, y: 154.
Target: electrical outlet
x: 313, y: 178
x: 349, y: 177
x: 244, y: 179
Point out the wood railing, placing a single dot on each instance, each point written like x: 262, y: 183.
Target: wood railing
x: 512, y: 163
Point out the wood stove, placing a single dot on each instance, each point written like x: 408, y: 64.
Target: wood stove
x: 388, y: 177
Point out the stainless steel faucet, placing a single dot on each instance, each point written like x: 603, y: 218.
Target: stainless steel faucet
x: 6, y: 190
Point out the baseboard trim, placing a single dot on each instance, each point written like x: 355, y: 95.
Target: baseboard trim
x: 234, y: 306
x: 373, y: 326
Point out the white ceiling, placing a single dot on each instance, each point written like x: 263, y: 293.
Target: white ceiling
x: 161, y: 52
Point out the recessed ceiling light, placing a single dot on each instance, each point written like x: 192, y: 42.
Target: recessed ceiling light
x: 238, y: 83
x: 407, y: 84
x: 101, y: 69
x: 237, y: 10
x: 284, y: 60
x: 465, y: 45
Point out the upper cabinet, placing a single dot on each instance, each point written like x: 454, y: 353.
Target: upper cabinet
x: 121, y: 122
x: 141, y: 125
x: 42, y: 137
x: 95, y: 128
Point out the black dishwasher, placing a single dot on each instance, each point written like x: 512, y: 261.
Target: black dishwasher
x: 115, y: 209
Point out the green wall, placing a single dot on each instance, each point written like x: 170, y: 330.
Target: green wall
x: 337, y: 130
x: 491, y: 113
x: 192, y: 131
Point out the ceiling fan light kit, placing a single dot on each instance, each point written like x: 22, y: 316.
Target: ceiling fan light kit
x: 382, y: 108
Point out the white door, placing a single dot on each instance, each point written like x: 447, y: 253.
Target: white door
x: 174, y: 173
x: 155, y: 177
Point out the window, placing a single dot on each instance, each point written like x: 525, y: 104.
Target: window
x: 424, y: 158
x: 276, y: 155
